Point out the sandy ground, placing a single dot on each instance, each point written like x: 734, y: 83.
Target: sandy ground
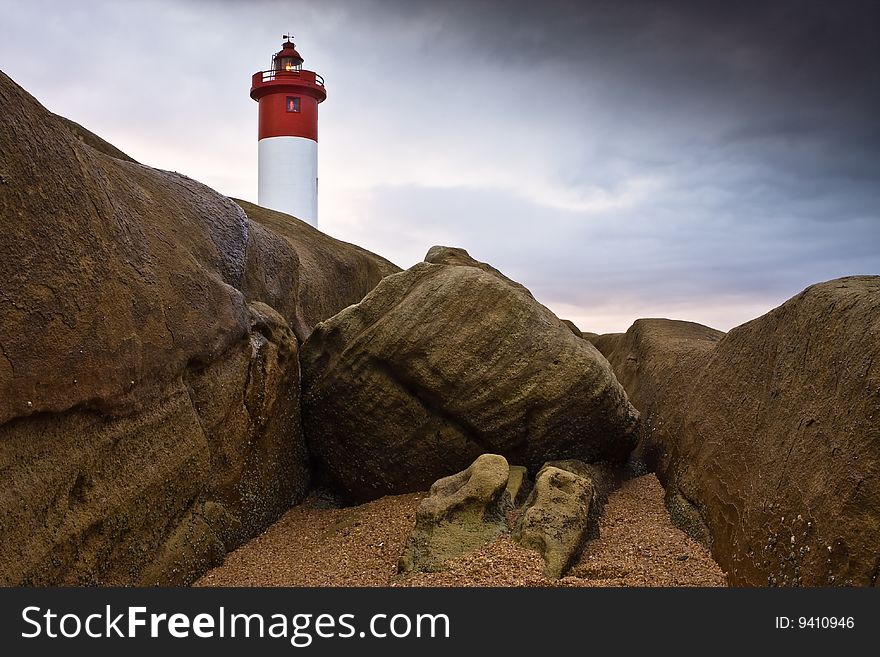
x: 359, y: 546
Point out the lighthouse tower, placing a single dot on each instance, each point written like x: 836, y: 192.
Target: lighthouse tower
x: 288, y: 133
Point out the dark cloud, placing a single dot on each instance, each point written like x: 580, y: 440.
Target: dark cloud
x: 789, y: 69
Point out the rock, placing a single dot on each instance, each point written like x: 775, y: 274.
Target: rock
x: 196, y: 544
x: 657, y: 361
x: 149, y: 396
x: 767, y: 439
x: 114, y: 273
x: 606, y: 341
x: 458, y: 257
x: 577, y: 467
x: 518, y: 486
x: 301, y: 272
x: 589, y: 335
x: 439, y: 364
x: 94, y: 141
x: 556, y: 518
x: 451, y: 255
x: 156, y: 495
x: 655, y: 351
x: 573, y: 327
x: 605, y: 479
x: 461, y: 513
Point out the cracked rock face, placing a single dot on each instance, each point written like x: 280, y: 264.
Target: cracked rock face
x: 442, y: 363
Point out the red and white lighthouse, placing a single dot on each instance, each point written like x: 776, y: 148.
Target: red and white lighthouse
x: 288, y: 134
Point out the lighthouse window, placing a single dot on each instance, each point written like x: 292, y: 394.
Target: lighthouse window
x: 293, y: 103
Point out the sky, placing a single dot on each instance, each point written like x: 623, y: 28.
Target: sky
x: 694, y: 160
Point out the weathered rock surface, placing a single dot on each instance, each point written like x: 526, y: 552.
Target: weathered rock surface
x: 302, y: 273
x: 94, y: 141
x: 148, y: 395
x: 767, y: 439
x: 573, y: 327
x: 589, y: 335
x: 607, y: 341
x: 658, y: 361
x: 456, y: 256
x: 156, y: 493
x: 657, y: 357
x: 441, y: 363
x: 604, y: 478
x: 462, y: 512
x: 518, y: 485
x: 556, y: 518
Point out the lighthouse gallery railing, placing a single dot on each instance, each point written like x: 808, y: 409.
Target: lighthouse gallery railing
x: 305, y: 76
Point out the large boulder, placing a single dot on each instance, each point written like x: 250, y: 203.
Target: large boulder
x: 149, y: 398
x: 441, y: 363
x: 767, y: 439
x: 556, y: 518
x: 461, y: 513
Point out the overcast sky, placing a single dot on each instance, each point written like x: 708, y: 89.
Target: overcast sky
x: 694, y: 160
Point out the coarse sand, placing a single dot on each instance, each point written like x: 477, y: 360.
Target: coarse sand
x: 359, y: 546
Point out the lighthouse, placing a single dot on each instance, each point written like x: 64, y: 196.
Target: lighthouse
x: 288, y: 97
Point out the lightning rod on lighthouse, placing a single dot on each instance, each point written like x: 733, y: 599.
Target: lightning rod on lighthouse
x: 288, y: 97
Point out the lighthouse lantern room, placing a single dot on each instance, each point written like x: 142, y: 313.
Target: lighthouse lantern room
x: 288, y: 97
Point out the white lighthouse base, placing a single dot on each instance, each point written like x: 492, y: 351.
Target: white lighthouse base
x: 288, y: 176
